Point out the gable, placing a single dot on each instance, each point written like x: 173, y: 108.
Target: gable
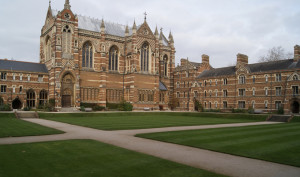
x: 145, y: 31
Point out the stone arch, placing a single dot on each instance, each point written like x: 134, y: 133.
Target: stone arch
x: 295, y: 106
x: 113, y: 59
x: 16, y: 103
x: 68, y: 90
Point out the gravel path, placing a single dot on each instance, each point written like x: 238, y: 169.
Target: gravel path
x: 212, y: 161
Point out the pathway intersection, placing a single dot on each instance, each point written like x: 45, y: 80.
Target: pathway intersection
x: 212, y: 161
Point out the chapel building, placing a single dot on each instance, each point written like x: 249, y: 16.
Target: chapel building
x: 87, y: 60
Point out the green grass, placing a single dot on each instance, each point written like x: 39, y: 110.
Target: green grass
x: 278, y: 143
x: 12, y: 127
x: 123, y: 121
x: 78, y: 158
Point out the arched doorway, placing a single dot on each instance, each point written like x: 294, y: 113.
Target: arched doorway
x: 67, y: 90
x: 16, y: 103
x: 295, y: 107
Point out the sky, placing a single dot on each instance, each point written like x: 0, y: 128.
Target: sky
x: 218, y: 28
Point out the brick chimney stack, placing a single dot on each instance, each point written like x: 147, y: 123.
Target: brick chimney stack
x: 205, y: 59
x: 242, y: 60
x: 183, y: 61
x: 296, y: 53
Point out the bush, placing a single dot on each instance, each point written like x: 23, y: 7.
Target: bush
x: 198, y: 106
x: 113, y: 105
x: 280, y: 110
x: 52, y: 102
x: 250, y: 110
x: 125, y: 106
x: 27, y: 108
x: 1, y: 101
x: 82, y: 108
x: 212, y: 110
x: 238, y: 110
x: 5, y: 107
x: 98, y: 108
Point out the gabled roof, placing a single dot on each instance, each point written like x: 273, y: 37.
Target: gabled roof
x: 22, y: 66
x: 274, y: 65
x: 253, y: 68
x: 162, y: 86
x: 217, y: 72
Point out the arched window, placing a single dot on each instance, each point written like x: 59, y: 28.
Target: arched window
x: 295, y: 77
x: 113, y: 59
x: 145, y: 58
x: 43, y: 97
x: 165, y: 65
x: 48, y: 49
x: 66, y: 39
x: 30, y: 98
x: 87, y: 55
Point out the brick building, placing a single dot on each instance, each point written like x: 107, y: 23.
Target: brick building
x: 264, y: 86
x: 94, y: 61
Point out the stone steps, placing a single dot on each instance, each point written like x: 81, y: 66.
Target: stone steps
x: 279, y: 118
x: 27, y: 114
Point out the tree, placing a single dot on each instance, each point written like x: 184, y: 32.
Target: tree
x: 275, y: 54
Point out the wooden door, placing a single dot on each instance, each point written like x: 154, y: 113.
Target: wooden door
x: 66, y: 101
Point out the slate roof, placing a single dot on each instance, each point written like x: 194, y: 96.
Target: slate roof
x: 218, y: 72
x: 253, y: 68
x: 92, y: 24
x: 22, y: 66
x: 162, y: 86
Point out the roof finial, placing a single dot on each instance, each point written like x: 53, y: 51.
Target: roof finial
x: 49, y: 2
x: 67, y: 4
x: 145, y: 16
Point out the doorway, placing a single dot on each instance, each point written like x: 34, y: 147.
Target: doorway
x: 16, y: 104
x: 66, y: 101
x: 295, y: 107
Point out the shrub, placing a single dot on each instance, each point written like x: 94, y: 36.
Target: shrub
x: 239, y: 110
x: 1, y: 101
x: 27, y: 108
x: 112, y: 105
x: 82, y: 108
x: 52, y: 102
x: 250, y: 110
x: 280, y: 110
x: 5, y: 107
x: 98, y: 108
x: 198, y: 106
x: 125, y: 106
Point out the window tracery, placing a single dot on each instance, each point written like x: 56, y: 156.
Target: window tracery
x: 113, y: 59
x: 87, y: 55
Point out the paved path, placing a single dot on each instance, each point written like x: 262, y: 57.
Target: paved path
x: 212, y: 161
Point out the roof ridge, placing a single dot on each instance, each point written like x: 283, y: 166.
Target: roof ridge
x: 21, y: 61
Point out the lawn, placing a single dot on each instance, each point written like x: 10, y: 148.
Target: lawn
x: 77, y: 158
x: 278, y: 143
x: 125, y: 121
x: 13, y: 127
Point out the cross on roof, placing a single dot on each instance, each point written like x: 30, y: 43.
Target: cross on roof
x: 145, y: 15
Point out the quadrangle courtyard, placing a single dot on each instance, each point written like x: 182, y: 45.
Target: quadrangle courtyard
x: 148, y: 144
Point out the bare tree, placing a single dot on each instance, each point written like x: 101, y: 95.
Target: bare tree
x: 275, y: 54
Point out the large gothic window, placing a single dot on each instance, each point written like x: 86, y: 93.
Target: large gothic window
x: 113, y: 59
x: 30, y: 98
x: 165, y: 65
x: 48, y: 49
x: 145, y: 57
x: 67, y: 39
x: 87, y: 55
x: 43, y: 98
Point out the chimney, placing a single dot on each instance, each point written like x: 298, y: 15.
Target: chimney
x: 183, y: 62
x: 205, y: 59
x: 242, y: 60
x: 296, y: 53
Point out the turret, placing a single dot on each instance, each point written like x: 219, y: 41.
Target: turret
x: 134, y: 28
x: 67, y: 4
x: 102, y: 27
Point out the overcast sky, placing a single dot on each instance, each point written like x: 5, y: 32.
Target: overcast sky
x: 218, y: 28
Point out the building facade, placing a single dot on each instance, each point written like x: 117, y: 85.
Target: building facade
x: 94, y: 61
x: 263, y: 86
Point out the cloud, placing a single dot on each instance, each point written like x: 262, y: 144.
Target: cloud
x: 217, y: 28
